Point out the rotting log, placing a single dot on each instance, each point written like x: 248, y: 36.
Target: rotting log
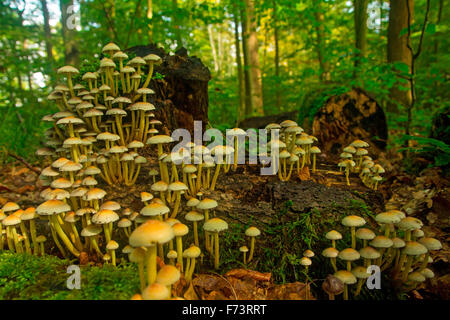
x: 182, y: 94
x: 347, y: 117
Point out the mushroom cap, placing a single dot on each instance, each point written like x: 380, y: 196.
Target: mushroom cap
x: 305, y: 261
x: 127, y: 249
x: 142, y: 106
x: 145, y: 196
x: 416, y: 277
x: 11, y: 220
x: 110, y: 205
x: 359, y: 144
x: 152, y: 58
x: 177, y: 186
x: 110, y: 47
x: 137, y: 255
x: 360, y: 272
x: 29, y: 214
x: 61, y: 183
x: 252, y: 232
x: 41, y: 238
x: 192, y: 202
x: 353, y: 221
x: 94, y: 194
x: 413, y: 248
x: 159, y: 186
x: 349, y: 254
x: 51, y: 207
x: 381, y: 242
x: 427, y: 273
x: 333, y: 235
x: 10, y: 206
x: 330, y: 252
x: 207, y: 204
x: 155, y: 291
x: 124, y: 223
x: 105, y: 216
x: 365, y: 234
x: 387, y: 217
x: 70, y: 217
x: 243, y: 249
x: 308, y: 253
x: 92, y: 170
x: 409, y: 224
x: 288, y: 123
x: 215, y: 225
x: 431, y: 243
x: 112, y: 245
x: 191, y: 252
x: 345, y: 276
x: 180, y: 229
x: 398, y: 242
x: 418, y: 233
x: 67, y: 70
x: 369, y: 253
x: 154, y: 209
x: 172, y: 254
x: 151, y: 232
x: 91, y: 230
x: 349, y: 149
x: 168, y: 275
x: 159, y: 139
x: 194, y: 216
x: 314, y: 149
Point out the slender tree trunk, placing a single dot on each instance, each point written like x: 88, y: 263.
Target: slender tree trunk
x: 239, y: 64
x: 277, y: 57
x: 48, y: 37
x: 360, y: 17
x: 320, y: 43
x: 213, y: 48
x: 438, y: 21
x: 71, y: 53
x: 397, y: 49
x: 245, y: 51
x: 256, y: 79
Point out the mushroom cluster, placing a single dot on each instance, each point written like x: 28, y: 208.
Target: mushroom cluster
x: 399, y: 247
x: 294, y: 148
x: 355, y: 158
x: 103, y: 119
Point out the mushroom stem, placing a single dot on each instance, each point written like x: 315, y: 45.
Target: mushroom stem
x: 216, y: 175
x: 9, y: 238
x: 180, y: 252
x: 33, y: 236
x: 345, y: 292
x: 150, y: 257
x: 216, y: 248
x: 252, y: 249
x: 177, y: 204
x: 56, y: 240
x: 195, y: 234
x: 353, y: 238
x: 141, y: 275
x: 24, y: 231
x: 64, y: 237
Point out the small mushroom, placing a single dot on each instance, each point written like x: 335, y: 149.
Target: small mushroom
x: 215, y: 225
x: 252, y: 232
x: 244, y: 250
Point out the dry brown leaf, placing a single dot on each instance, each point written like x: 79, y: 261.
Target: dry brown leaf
x: 304, y: 174
x: 190, y: 293
x: 242, y: 273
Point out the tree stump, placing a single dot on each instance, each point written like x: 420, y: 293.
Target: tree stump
x: 347, y: 117
x: 182, y: 95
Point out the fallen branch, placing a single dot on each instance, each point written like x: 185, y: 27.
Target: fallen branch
x: 29, y: 166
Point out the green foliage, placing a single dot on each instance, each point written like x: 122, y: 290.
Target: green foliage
x: 44, y: 278
x: 438, y: 150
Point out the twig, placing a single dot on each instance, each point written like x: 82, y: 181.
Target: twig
x: 29, y: 166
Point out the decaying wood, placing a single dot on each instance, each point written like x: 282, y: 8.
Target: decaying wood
x: 182, y: 95
x: 349, y: 116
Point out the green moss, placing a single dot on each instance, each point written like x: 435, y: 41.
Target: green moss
x: 45, y: 278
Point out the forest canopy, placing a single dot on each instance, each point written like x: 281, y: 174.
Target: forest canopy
x: 265, y: 56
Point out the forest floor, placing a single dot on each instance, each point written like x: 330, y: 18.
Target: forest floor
x: 293, y: 216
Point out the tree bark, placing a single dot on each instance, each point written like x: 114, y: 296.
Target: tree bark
x: 320, y: 43
x: 397, y: 49
x: 241, y: 87
x: 360, y: 17
x: 176, y: 24
x: 256, y: 79
x: 47, y: 36
x: 277, y: 57
x: 71, y: 52
x: 245, y: 51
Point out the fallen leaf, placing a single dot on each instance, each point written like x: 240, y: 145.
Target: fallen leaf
x: 190, y: 293
x: 242, y: 273
x: 304, y: 174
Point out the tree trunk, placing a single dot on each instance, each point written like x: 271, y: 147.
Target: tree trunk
x: 360, y: 17
x: 212, y: 44
x: 245, y: 51
x: 47, y: 36
x: 71, y: 53
x: 256, y: 79
x: 397, y: 50
x: 241, y: 87
x: 320, y: 43
x: 277, y: 57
